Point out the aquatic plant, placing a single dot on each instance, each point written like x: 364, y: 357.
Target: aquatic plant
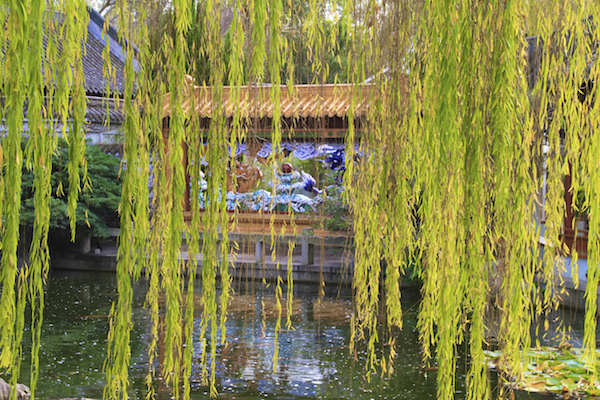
x: 464, y: 117
x: 551, y: 370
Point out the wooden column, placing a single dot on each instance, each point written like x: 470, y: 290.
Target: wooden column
x: 569, y: 212
x: 577, y: 242
x: 184, y: 147
x: 186, y: 195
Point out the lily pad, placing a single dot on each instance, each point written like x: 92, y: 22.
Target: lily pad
x: 577, y: 370
x: 573, y: 363
x: 575, y: 377
x: 492, y: 354
x: 556, y: 371
x: 566, y: 356
x: 555, y: 388
x: 554, y: 381
x: 557, y: 365
x: 569, y: 385
x: 593, y: 392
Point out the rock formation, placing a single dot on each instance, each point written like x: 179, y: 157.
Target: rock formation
x: 5, y: 390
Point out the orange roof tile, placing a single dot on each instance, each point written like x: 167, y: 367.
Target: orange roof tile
x: 314, y: 101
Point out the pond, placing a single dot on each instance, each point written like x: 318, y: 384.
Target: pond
x: 314, y: 360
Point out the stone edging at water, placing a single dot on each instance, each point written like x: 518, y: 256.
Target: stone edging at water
x: 5, y: 391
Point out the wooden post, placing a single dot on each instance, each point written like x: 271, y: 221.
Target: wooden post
x: 184, y: 147
x: 569, y: 212
x: 186, y: 196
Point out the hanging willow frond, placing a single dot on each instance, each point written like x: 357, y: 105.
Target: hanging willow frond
x: 467, y: 120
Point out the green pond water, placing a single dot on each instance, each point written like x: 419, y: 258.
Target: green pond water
x: 314, y: 360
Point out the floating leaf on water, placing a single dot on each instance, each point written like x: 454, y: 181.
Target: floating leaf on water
x: 566, y: 357
x: 554, y: 381
x: 536, y: 381
x: 573, y: 363
x: 493, y: 354
x: 577, y: 370
x: 575, y: 377
x: 554, y: 370
x: 593, y: 392
x: 569, y: 385
x: 543, y: 354
x: 544, y: 366
x: 535, y: 386
x: 555, y: 388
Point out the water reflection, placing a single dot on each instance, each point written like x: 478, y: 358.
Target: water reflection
x: 314, y: 359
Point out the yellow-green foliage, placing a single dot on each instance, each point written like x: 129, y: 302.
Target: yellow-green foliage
x: 460, y: 131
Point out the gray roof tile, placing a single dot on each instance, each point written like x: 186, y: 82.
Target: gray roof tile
x: 93, y: 64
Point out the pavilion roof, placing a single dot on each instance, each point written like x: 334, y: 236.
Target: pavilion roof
x: 303, y: 101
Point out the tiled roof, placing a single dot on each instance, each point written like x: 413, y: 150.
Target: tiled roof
x: 304, y: 101
x: 95, y: 111
x: 93, y: 67
x: 93, y: 64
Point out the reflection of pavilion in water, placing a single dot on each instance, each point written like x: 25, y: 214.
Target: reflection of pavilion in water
x: 246, y: 362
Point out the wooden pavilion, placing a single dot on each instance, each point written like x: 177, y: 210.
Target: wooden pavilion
x: 309, y: 113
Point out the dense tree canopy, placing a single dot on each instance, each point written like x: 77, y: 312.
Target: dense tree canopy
x: 98, y: 203
x: 463, y: 114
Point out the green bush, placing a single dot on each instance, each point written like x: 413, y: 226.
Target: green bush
x: 100, y: 203
x: 336, y: 211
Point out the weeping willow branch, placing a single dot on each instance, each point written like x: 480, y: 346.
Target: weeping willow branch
x: 443, y: 172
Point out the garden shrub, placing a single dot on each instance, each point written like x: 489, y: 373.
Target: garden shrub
x: 98, y: 204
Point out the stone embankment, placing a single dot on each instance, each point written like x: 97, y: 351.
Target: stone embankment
x: 23, y: 392
x: 314, y: 259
